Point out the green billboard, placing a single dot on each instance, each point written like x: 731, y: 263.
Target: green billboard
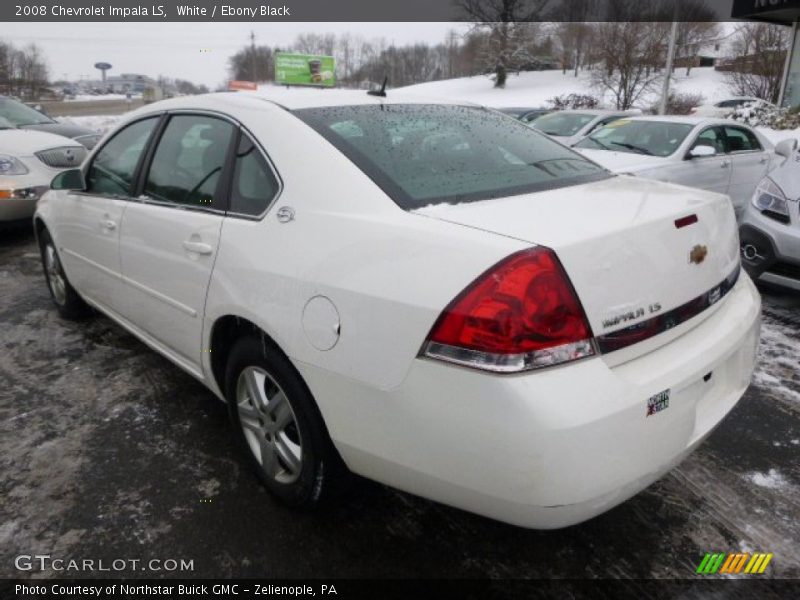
x: 304, y: 69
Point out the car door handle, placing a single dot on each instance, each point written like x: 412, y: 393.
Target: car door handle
x: 725, y: 165
x: 763, y: 161
x: 198, y: 247
x: 108, y: 224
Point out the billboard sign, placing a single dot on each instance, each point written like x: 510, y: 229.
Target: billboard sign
x: 304, y: 69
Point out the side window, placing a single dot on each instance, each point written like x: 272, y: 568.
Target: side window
x: 113, y: 167
x: 254, y: 186
x: 741, y: 140
x: 188, y: 160
x: 711, y: 137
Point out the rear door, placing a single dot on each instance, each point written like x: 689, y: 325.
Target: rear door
x: 711, y: 173
x: 89, y: 221
x: 171, y: 234
x: 749, y: 164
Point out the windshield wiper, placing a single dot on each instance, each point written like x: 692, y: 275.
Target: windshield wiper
x: 599, y: 143
x: 634, y: 147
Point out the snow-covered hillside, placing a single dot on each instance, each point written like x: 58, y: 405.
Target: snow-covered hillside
x: 534, y: 88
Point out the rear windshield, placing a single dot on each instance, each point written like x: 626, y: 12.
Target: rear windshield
x: 423, y: 154
x: 562, y: 124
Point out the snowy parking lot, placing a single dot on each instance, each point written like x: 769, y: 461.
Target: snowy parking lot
x: 109, y: 451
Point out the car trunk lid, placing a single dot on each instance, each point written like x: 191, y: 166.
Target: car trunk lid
x: 638, y: 252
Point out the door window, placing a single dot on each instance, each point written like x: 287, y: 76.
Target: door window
x: 188, y: 161
x: 711, y: 137
x: 114, y: 166
x: 741, y: 140
x: 254, y: 185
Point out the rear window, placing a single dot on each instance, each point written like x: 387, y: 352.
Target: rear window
x: 423, y: 154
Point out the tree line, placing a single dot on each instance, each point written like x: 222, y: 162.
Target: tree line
x: 23, y: 71
x: 623, y: 60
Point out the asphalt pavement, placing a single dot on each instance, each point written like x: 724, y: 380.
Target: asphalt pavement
x: 108, y: 451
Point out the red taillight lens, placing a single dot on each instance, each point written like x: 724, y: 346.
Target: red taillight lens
x: 519, y: 315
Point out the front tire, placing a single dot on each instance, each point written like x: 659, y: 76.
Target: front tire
x: 278, y: 425
x: 69, y: 304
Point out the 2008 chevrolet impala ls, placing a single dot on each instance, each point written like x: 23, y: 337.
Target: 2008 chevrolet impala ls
x: 430, y: 295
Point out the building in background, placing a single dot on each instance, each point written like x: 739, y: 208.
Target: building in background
x: 784, y: 12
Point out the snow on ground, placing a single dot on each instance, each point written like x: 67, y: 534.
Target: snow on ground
x: 532, y: 89
x: 101, y: 123
x: 772, y: 479
x: 535, y: 88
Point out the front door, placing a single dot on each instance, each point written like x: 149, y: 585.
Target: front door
x: 89, y: 222
x: 711, y: 173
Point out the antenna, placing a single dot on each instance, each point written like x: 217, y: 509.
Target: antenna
x: 381, y: 92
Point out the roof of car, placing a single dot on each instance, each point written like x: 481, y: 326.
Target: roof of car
x: 291, y: 99
x: 686, y: 119
x: 599, y: 111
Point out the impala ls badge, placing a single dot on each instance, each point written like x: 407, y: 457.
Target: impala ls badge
x: 698, y: 254
x: 285, y: 214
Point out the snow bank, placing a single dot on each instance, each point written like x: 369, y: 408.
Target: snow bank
x: 100, y: 123
x: 771, y: 479
x: 535, y: 88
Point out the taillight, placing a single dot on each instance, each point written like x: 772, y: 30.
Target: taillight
x: 521, y: 314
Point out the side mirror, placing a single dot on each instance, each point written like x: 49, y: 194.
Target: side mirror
x: 786, y: 147
x: 68, y: 180
x: 701, y: 151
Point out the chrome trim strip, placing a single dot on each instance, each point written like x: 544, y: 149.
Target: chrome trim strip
x: 644, y: 330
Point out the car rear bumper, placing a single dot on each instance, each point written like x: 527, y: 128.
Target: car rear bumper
x: 551, y: 448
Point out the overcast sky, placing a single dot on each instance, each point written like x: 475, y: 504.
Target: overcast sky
x: 195, y: 51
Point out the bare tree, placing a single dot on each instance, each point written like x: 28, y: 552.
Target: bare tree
x: 759, y: 53
x: 260, y: 58
x: 692, y: 37
x: 503, y: 19
x: 630, y: 55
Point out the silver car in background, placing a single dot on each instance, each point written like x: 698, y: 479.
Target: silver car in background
x: 770, y: 226
x: 571, y: 126
x: 717, y: 155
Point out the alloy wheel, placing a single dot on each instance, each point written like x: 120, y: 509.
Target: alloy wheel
x: 269, y: 425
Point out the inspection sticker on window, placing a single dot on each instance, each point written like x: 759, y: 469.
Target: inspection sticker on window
x: 658, y: 402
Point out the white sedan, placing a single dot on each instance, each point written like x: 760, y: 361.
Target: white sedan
x: 717, y: 155
x: 430, y: 295
x: 28, y: 162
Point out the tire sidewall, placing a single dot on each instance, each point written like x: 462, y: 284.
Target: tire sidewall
x: 253, y: 352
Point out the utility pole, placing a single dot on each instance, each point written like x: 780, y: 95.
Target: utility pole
x: 253, y: 57
x: 662, y: 109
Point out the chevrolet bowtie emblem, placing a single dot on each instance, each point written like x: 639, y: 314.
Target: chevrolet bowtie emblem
x: 698, y: 254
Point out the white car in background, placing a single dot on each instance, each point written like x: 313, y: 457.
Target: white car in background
x: 717, y: 155
x: 28, y: 162
x: 770, y: 228
x: 571, y: 126
x: 434, y: 295
x: 727, y: 107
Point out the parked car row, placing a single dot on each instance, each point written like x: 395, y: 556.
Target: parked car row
x: 704, y: 151
x: 33, y: 149
x: 428, y: 294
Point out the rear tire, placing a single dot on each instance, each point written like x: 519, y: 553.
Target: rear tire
x: 278, y: 426
x: 69, y: 304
